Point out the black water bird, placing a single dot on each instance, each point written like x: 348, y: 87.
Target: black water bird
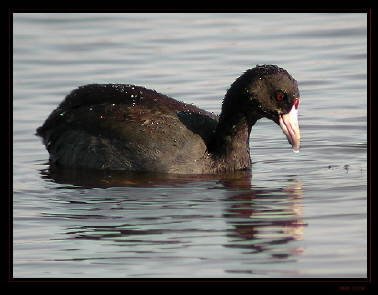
x: 128, y: 127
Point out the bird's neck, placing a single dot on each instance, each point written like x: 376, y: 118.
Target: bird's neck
x: 230, y: 147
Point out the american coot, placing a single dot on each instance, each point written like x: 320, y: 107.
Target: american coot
x: 128, y: 127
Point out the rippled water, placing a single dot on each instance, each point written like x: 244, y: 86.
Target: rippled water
x: 298, y: 215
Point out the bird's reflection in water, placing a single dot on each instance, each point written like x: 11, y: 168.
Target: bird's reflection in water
x: 90, y: 178
x: 264, y: 223
x: 267, y: 222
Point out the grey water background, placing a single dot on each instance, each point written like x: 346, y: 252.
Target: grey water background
x: 298, y: 216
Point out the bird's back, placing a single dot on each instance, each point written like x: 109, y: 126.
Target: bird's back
x: 127, y: 127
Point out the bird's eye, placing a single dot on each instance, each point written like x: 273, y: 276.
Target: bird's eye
x: 280, y: 96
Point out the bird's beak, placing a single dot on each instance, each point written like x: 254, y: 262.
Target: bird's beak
x: 289, y: 125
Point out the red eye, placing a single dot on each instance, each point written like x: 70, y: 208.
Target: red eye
x: 279, y: 96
